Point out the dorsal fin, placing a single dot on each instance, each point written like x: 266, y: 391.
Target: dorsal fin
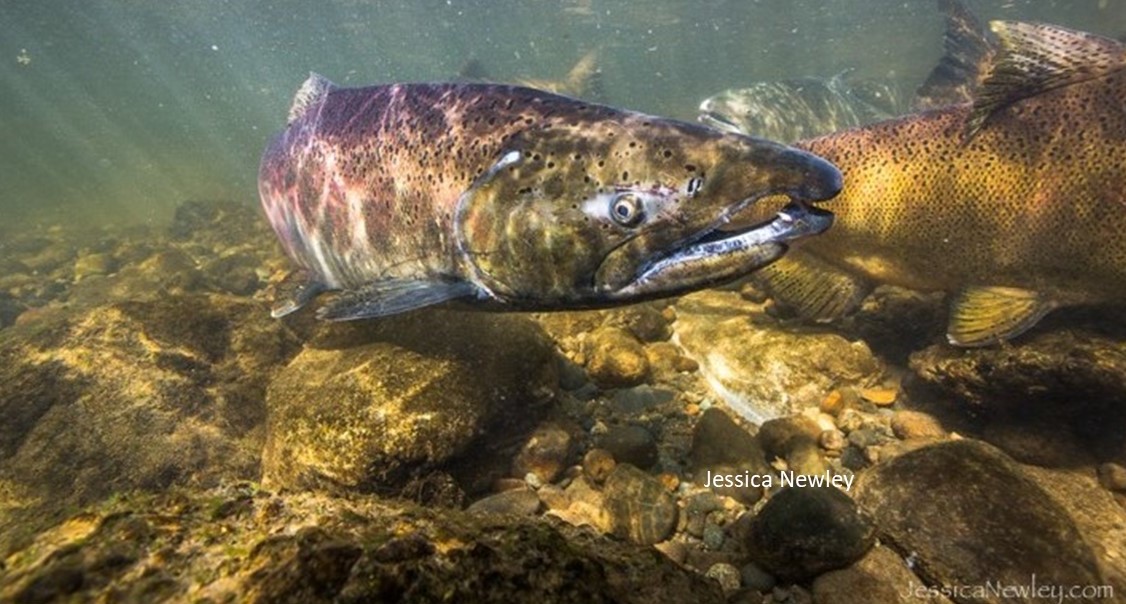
x: 968, y: 53
x: 310, y: 93
x: 1035, y: 58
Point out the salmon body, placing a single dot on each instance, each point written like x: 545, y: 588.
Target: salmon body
x: 1014, y: 202
x: 505, y: 197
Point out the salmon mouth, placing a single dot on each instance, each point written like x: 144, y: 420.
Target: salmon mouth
x: 718, y: 256
x: 796, y: 220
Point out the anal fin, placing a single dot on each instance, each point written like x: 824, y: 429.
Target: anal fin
x: 813, y: 288
x: 293, y: 292
x: 980, y: 316
x: 392, y: 296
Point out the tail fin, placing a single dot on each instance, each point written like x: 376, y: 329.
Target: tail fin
x: 969, y: 51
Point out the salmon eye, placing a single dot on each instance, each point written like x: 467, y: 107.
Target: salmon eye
x: 626, y: 209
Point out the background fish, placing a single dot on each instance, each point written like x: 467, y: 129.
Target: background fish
x: 413, y: 194
x: 1015, y: 202
x: 790, y: 110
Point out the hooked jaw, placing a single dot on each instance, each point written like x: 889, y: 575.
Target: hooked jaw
x: 714, y: 256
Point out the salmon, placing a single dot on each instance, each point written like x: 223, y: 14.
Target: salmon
x: 508, y: 198
x: 1013, y: 202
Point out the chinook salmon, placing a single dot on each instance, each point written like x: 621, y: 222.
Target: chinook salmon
x: 1014, y: 202
x: 408, y: 195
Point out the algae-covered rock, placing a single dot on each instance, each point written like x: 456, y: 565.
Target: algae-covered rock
x: 762, y: 370
x: 616, y: 359
x: 365, y: 405
x: 969, y: 514
x: 240, y: 544
x: 1047, y: 399
x: 134, y: 395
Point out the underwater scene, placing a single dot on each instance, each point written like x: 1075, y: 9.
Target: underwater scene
x: 751, y: 301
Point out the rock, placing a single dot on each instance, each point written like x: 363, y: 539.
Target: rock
x: 630, y: 444
x: 1100, y: 519
x: 169, y: 269
x: 867, y: 437
x: 10, y: 308
x: 645, y: 321
x: 51, y: 257
x: 546, y: 453
x: 833, y: 403
x: 880, y: 576
x: 580, y: 505
x: 720, y: 446
x: 640, y: 508
x: 794, y: 440
x: 755, y: 578
x: 1112, y: 477
x: 234, y: 273
x: 1045, y: 400
x: 780, y: 436
x: 972, y: 515
x: 696, y: 510
x: 367, y: 405
x: 832, y: 441
x: 713, y: 537
x: 726, y: 575
x: 516, y: 502
x: 134, y: 395
x: 802, y: 532
x: 615, y: 359
x: 639, y: 399
x: 880, y: 397
x: 598, y: 464
x: 673, y: 550
x: 217, y: 223
x: 95, y: 264
x: 915, y: 424
x: 760, y: 370
x: 239, y: 544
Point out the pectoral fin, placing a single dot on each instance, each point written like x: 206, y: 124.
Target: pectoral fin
x: 813, y: 288
x: 293, y: 292
x: 980, y: 316
x: 393, y: 296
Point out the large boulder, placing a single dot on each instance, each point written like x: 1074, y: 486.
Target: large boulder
x: 239, y: 544
x: 367, y: 406
x: 969, y: 514
x: 760, y: 369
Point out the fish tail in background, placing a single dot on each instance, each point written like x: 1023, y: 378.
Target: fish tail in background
x: 969, y: 51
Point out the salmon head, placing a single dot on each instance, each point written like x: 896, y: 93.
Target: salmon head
x: 631, y: 207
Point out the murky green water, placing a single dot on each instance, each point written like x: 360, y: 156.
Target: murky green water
x: 119, y: 110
